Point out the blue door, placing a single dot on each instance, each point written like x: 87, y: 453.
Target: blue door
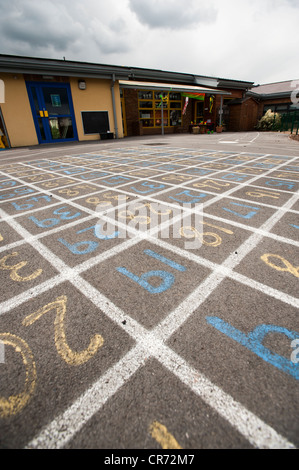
x: 53, y: 112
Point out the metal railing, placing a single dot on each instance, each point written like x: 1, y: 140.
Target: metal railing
x: 290, y: 122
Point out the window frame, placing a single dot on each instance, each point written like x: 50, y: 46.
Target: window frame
x: 154, y: 112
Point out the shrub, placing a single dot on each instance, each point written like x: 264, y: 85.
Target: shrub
x: 269, y: 122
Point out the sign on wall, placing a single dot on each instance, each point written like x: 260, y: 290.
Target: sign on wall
x: 56, y: 101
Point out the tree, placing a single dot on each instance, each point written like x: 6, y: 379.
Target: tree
x: 269, y: 122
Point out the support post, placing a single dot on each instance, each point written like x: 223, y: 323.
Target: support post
x: 221, y: 110
x: 162, y: 114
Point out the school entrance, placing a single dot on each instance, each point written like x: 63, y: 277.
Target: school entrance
x: 52, y: 110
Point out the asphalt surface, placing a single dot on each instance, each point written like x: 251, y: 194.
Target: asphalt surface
x: 149, y: 294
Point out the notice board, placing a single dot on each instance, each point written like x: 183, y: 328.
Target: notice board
x: 95, y: 122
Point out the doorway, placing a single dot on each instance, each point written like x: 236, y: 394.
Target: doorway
x: 4, y: 140
x: 53, y: 113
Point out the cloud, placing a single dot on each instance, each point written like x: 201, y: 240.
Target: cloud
x: 172, y: 14
x: 292, y: 3
x: 63, y: 28
x: 253, y: 40
x: 107, y: 37
x: 38, y: 26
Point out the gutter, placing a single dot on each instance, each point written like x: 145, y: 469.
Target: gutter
x: 71, y: 68
x: 31, y: 65
x: 270, y: 96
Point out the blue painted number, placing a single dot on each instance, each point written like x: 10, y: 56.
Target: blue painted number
x: 249, y: 214
x: 194, y: 197
x: 253, y: 342
x: 167, y: 278
x: 51, y: 222
x: 87, y: 246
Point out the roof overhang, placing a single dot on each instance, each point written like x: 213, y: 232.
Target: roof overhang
x: 235, y: 84
x: 49, y: 67
x: 169, y: 87
x: 270, y: 96
x: 58, y: 67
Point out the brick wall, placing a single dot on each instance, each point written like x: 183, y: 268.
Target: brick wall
x: 270, y: 102
x: 217, y: 105
x: 244, y: 116
x: 241, y: 117
x: 249, y: 115
x: 188, y: 117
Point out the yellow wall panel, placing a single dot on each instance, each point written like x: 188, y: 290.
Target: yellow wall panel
x: 18, y: 115
x: 96, y: 97
x: 17, y: 111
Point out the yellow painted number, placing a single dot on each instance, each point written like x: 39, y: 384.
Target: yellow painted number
x: 69, y: 192
x: 176, y: 178
x: 288, y: 266
x: 75, y: 190
x: 15, y: 268
x: 143, y: 220
x: 15, y: 403
x: 216, y: 239
x: 97, y: 201
x: 68, y: 355
x: 259, y: 194
x: 160, y: 433
x: 211, y: 184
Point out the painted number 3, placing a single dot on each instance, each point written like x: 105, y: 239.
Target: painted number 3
x: 14, y: 275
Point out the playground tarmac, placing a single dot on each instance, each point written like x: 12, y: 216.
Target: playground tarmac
x: 149, y: 294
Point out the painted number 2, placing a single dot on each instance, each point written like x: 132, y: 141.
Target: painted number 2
x: 15, y: 403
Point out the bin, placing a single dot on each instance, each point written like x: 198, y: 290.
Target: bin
x: 106, y: 135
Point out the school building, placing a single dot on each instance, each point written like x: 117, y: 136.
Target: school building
x: 47, y: 101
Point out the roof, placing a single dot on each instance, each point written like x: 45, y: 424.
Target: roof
x: 275, y: 89
x: 58, y: 67
x: 169, y: 86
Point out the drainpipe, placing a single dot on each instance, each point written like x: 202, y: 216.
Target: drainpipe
x: 162, y: 115
x: 114, y: 107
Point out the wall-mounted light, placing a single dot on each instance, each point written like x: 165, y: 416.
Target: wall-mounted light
x: 82, y: 84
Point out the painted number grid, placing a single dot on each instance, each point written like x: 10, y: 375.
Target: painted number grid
x: 124, y: 341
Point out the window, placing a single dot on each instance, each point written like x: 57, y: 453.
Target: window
x: 271, y: 107
x: 282, y: 108
x: 199, y: 111
x: 151, y: 104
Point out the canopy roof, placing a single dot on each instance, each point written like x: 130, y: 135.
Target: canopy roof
x: 192, y: 91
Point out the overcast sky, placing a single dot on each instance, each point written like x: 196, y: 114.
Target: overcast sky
x: 252, y: 40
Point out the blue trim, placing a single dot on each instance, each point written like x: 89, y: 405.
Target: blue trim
x: 38, y: 86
